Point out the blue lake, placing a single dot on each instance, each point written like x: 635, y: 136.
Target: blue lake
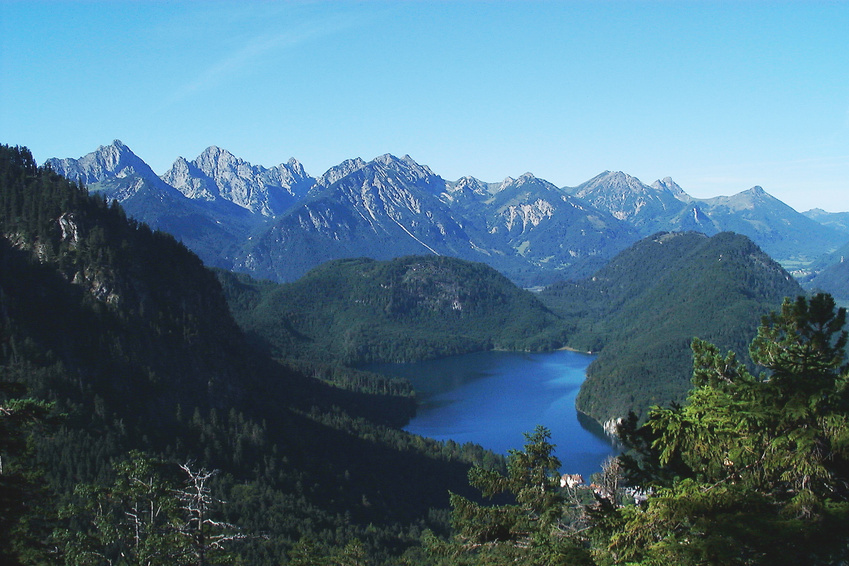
x: 491, y: 398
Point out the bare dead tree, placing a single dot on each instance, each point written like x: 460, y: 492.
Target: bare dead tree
x: 611, y: 478
x: 205, y: 534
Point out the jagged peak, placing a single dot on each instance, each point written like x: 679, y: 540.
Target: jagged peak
x: 468, y: 180
x: 405, y: 163
x: 216, y: 153
x: 295, y: 164
x: 337, y: 172
x: 611, y: 180
x: 117, y: 147
x: 107, y: 161
x: 469, y: 183
x: 386, y: 159
x: 667, y: 184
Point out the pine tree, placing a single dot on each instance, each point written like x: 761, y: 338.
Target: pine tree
x: 22, y: 493
x: 533, y: 527
x: 751, y: 469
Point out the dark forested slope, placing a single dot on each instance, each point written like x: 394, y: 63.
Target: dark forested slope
x: 130, y: 337
x: 644, y: 308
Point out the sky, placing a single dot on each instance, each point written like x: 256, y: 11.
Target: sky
x: 720, y: 96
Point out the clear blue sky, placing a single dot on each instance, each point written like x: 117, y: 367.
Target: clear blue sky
x: 721, y: 96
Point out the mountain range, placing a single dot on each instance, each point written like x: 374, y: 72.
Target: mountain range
x: 279, y: 222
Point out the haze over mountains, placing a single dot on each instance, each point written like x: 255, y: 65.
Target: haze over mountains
x: 279, y: 222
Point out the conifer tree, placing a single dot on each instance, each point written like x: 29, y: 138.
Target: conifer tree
x: 531, y: 528
x: 752, y: 469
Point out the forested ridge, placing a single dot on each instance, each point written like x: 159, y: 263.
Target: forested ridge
x: 642, y: 310
x: 412, y: 308
x: 127, y: 338
x: 139, y: 425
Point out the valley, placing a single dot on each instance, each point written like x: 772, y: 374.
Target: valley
x: 115, y: 326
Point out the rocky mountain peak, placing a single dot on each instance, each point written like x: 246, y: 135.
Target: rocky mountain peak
x: 667, y: 184
x: 340, y: 171
x: 616, y: 181
x: 406, y: 163
x: 111, y: 161
x: 408, y: 171
x: 471, y: 184
x: 296, y: 167
x: 217, y: 173
x: 506, y: 183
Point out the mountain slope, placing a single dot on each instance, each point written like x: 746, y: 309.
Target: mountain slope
x: 782, y: 232
x: 213, y: 230
x: 663, y: 206
x: 644, y: 308
x: 837, y: 220
x: 280, y: 222
x: 833, y: 278
x: 406, y: 309
x: 126, y: 331
x: 387, y: 208
x: 550, y: 230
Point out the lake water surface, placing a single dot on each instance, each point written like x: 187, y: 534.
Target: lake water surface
x: 491, y: 398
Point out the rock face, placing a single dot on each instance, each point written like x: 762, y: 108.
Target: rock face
x: 115, y: 160
x: 340, y: 171
x: 551, y: 229
x: 218, y: 174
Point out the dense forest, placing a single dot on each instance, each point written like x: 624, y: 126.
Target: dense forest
x: 357, y: 311
x: 642, y: 310
x: 140, y: 425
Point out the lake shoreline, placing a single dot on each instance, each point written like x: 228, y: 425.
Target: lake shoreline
x: 492, y: 398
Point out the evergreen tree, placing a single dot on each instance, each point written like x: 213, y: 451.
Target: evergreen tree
x: 533, y: 527
x: 751, y: 469
x: 135, y: 521
x: 23, y: 509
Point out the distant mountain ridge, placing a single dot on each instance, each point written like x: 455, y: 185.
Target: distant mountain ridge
x: 279, y: 222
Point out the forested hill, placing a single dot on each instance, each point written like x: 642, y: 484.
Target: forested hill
x: 411, y: 308
x: 129, y: 336
x: 645, y: 307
